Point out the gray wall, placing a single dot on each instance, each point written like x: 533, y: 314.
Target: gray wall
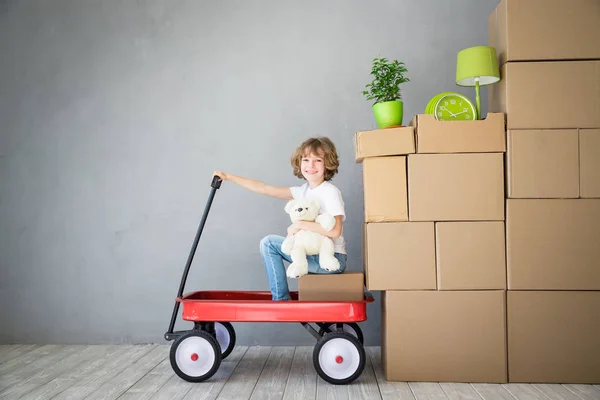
x: 114, y: 115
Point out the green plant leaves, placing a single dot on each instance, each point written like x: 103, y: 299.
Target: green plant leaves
x: 387, y: 78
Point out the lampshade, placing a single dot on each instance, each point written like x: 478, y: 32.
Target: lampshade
x: 477, y: 62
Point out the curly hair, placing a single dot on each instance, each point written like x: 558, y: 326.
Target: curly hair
x: 317, y: 145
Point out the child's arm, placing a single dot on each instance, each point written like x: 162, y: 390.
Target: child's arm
x: 336, y: 232
x: 256, y: 186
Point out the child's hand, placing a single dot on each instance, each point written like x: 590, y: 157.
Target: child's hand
x: 221, y: 175
x: 293, y: 228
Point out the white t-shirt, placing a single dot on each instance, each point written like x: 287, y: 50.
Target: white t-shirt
x: 331, y: 201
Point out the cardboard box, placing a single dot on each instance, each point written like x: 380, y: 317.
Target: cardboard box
x: 543, y: 164
x: 589, y: 162
x: 536, y: 30
x: 399, y: 255
x: 480, y: 136
x: 384, y: 185
x: 470, y: 255
x: 553, y: 337
x: 548, y: 95
x: 435, y: 336
x: 553, y: 163
x: 553, y: 244
x: 347, y: 286
x: 456, y: 187
x: 384, y: 142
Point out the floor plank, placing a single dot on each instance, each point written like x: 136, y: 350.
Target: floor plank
x: 29, y: 358
x: 150, y: 383
x: 327, y: 391
x: 302, y: 381
x: 524, y: 391
x: 492, y: 391
x: 11, y: 351
x: 120, y: 383
x: 586, y: 392
x: 388, y: 390
x: 274, y: 376
x: 46, y: 375
x: 70, y: 377
x: 109, y: 370
x: 174, y: 389
x: 37, y: 366
x: 460, y: 391
x: 427, y: 391
x: 556, y: 392
x: 365, y: 387
x: 128, y: 372
x: 244, y: 377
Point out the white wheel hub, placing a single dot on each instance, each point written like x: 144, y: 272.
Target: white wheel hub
x: 222, y: 336
x: 195, y: 356
x: 339, y: 358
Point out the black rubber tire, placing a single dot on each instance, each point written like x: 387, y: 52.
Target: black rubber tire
x: 345, y: 336
x: 213, y: 343
x: 232, y: 338
x: 353, y: 325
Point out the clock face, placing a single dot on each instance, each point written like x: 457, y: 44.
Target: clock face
x: 454, y: 107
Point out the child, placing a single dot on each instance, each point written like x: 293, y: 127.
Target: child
x: 316, y: 161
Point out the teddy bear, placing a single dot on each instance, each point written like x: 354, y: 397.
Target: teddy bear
x: 305, y: 243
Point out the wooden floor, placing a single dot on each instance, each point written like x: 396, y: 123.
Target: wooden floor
x: 144, y: 372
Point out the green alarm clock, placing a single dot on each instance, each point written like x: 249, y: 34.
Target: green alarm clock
x: 452, y: 106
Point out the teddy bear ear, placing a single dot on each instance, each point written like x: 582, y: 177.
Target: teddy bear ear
x: 288, y: 207
x: 315, y: 202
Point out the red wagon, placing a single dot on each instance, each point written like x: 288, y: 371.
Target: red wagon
x: 196, y: 354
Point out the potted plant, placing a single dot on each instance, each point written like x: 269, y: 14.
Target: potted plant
x: 385, y: 90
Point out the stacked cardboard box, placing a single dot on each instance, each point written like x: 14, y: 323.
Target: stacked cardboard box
x: 434, y: 243
x: 549, y: 54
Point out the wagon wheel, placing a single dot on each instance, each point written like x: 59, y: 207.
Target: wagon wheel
x: 350, y: 327
x: 195, y: 356
x: 226, y: 337
x: 339, y: 358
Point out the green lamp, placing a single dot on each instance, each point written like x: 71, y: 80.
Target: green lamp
x: 477, y: 66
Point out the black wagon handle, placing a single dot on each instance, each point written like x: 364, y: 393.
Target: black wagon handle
x: 215, y: 184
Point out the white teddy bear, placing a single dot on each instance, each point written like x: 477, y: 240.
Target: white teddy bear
x: 305, y: 243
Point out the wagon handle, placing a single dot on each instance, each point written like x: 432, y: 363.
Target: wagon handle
x: 215, y: 184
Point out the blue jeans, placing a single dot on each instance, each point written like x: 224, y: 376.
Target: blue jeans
x: 273, y: 257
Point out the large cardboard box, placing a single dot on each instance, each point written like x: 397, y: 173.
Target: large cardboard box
x: 554, y: 337
x: 347, y: 286
x: 536, y: 30
x: 553, y: 163
x: 399, y: 255
x: 384, y: 142
x: 456, y: 187
x: 480, y: 136
x: 470, y: 255
x: 553, y: 244
x: 543, y: 164
x: 548, y: 95
x: 589, y: 162
x: 435, y: 336
x: 384, y: 185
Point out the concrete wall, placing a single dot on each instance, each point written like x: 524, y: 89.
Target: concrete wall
x: 114, y: 115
